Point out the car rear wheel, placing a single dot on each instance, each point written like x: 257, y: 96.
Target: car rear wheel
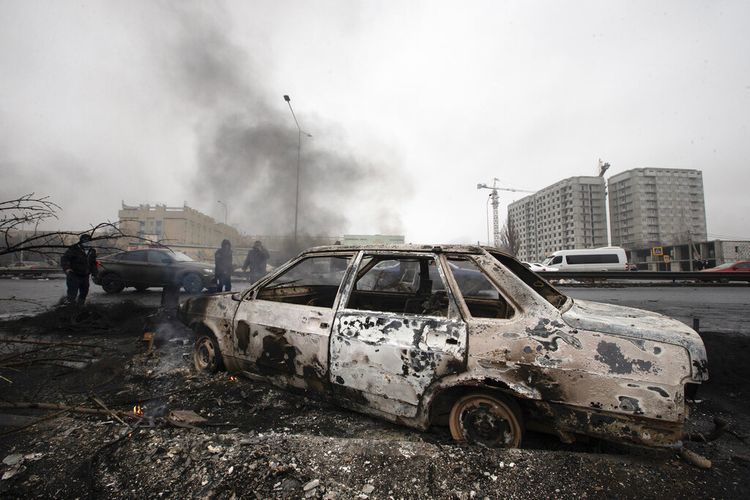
x: 192, y: 283
x: 112, y: 283
x: 493, y: 421
x: 206, y: 354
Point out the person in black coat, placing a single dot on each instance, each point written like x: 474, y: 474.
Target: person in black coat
x: 79, y: 263
x: 224, y: 267
x: 256, y: 260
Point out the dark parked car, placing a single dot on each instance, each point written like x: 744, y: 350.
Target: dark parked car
x: 152, y: 267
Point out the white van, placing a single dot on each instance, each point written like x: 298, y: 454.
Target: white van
x: 591, y: 259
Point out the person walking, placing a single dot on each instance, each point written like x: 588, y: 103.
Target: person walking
x: 223, y: 266
x: 256, y: 260
x: 79, y: 263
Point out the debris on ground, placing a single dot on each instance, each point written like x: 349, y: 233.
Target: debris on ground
x: 140, y: 422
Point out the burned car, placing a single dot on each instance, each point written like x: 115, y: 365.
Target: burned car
x: 462, y: 336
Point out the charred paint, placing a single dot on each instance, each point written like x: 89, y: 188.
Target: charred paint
x: 242, y: 332
x: 610, y: 354
x: 277, y: 356
x: 547, y: 333
x: 629, y: 405
x: 661, y: 392
x: 536, y: 378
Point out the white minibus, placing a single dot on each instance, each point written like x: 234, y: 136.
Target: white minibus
x: 590, y: 259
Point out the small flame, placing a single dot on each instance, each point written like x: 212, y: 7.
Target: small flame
x: 137, y: 410
x: 232, y: 378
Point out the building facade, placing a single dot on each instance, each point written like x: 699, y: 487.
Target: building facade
x: 651, y: 207
x: 679, y: 257
x: 174, y: 225
x: 566, y: 215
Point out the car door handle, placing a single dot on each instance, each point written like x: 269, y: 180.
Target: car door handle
x: 324, y: 325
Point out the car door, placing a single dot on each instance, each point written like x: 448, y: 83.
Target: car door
x: 281, y: 330
x: 397, y: 331
x: 131, y: 266
x: 159, y: 268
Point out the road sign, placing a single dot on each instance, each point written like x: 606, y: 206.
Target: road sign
x: 667, y: 259
x: 655, y: 251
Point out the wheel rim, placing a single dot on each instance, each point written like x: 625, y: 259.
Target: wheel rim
x: 486, y: 421
x: 204, y: 355
x: 111, y: 283
x: 192, y: 284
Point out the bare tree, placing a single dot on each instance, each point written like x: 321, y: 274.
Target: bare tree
x: 509, y: 240
x: 31, y: 210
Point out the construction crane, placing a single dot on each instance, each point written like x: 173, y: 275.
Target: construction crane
x: 496, y: 204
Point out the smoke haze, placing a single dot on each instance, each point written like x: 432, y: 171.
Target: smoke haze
x: 247, y: 149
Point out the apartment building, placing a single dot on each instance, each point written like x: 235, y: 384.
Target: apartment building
x: 566, y: 215
x: 656, y: 207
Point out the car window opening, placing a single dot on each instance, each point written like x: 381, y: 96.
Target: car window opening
x: 313, y: 281
x: 403, y: 285
x: 481, y: 296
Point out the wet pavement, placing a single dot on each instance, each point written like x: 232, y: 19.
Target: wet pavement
x: 718, y: 309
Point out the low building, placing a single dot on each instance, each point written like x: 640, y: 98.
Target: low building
x: 679, y: 258
x: 174, y: 225
x: 372, y: 239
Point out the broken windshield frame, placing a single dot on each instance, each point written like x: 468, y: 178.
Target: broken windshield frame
x: 536, y: 282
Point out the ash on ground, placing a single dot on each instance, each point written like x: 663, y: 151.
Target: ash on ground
x: 162, y: 430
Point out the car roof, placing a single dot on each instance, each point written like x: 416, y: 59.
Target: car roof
x: 438, y: 248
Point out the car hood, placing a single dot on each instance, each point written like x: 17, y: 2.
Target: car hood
x: 632, y: 323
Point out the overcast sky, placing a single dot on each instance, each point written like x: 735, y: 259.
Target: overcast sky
x: 409, y: 104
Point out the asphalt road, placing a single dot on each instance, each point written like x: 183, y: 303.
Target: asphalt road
x: 719, y: 309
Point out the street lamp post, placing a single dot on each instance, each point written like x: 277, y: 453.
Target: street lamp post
x: 299, y: 151
x: 225, y: 209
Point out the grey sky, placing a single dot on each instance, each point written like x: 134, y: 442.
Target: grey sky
x: 414, y: 102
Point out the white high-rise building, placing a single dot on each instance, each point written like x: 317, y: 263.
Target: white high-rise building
x: 656, y: 207
x: 567, y: 215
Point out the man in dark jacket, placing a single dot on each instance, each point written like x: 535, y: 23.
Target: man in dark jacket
x: 256, y: 260
x: 223, y: 266
x: 79, y: 262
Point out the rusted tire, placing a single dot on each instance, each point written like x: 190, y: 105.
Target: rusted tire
x: 206, y: 354
x: 488, y: 420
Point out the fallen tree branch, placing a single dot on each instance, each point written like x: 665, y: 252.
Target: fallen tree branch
x: 101, y: 403
x: 44, y: 342
x: 37, y: 421
x: 75, y: 409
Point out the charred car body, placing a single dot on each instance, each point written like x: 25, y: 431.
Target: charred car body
x: 457, y: 335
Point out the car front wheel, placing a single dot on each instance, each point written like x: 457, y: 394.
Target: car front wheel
x: 112, y: 283
x: 192, y: 283
x: 206, y: 354
x: 493, y: 421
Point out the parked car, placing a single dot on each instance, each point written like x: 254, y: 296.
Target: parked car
x: 742, y: 266
x: 153, y: 267
x: 590, y: 259
x: 461, y: 336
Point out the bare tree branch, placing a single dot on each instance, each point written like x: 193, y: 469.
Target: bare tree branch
x: 509, y: 240
x: 31, y: 210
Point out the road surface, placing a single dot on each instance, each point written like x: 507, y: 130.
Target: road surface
x: 719, y: 309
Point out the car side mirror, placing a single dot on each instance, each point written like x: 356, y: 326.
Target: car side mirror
x: 237, y: 296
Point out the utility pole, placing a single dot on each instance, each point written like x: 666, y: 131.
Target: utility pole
x: 496, y: 204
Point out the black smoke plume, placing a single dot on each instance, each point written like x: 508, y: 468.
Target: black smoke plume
x: 247, y: 149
